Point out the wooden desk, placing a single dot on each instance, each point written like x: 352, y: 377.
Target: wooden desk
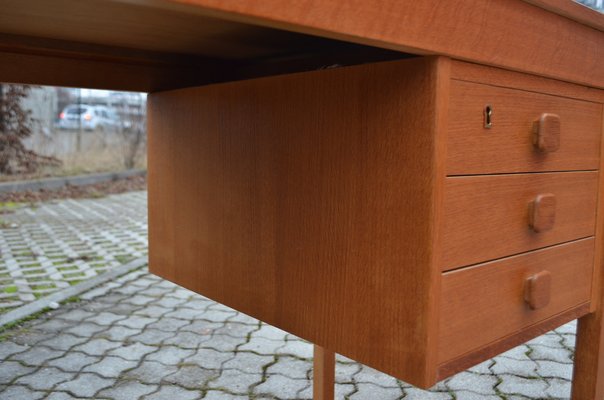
x: 422, y: 194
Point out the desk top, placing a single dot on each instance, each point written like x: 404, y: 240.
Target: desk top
x: 151, y: 45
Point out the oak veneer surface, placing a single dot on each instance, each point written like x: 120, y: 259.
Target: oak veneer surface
x: 259, y: 33
x: 311, y: 204
x: 508, y: 145
x: 486, y: 217
x: 485, y: 303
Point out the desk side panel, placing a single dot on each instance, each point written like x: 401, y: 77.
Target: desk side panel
x: 306, y: 201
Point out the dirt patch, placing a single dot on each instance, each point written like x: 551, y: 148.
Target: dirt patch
x: 97, y: 190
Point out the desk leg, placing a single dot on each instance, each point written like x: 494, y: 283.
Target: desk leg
x: 588, y: 376
x: 324, y: 370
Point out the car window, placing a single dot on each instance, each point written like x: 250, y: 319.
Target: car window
x: 76, y: 110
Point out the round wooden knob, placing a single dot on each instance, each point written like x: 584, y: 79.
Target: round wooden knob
x: 537, y: 290
x: 542, y: 212
x: 546, y: 133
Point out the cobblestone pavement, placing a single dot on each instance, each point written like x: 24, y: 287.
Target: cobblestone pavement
x: 49, y: 246
x: 142, y: 337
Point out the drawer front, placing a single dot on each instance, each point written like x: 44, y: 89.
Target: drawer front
x: 490, y: 217
x: 508, y: 145
x: 486, y: 303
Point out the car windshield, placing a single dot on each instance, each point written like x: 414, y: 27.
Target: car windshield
x: 76, y: 110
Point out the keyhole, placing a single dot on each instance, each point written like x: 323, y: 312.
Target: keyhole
x: 488, y: 116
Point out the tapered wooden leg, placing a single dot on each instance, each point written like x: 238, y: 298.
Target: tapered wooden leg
x: 324, y: 371
x: 588, y: 376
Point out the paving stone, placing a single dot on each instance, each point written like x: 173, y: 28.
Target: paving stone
x: 55, y: 325
x: 370, y: 375
x: 119, y: 333
x: 560, y: 355
x: 30, y: 337
x: 369, y: 391
x: 243, y: 319
x: 552, y: 369
x: 152, y: 337
x: 203, y: 327
x: 97, y: 347
x: 45, y: 378
x: 483, y: 368
x: 134, y: 352
x: 187, y: 340
x: 128, y: 390
x: 469, y: 395
x: 208, y: 358
x: 110, y: 367
x: 169, y: 355
x: 235, y: 329
x: 60, y: 396
x: 86, y: 385
x: 297, y: 348
x: 270, y: 332
x: 291, y: 368
x: 515, y: 367
x: 136, y: 322
x: 511, y: 384
x: 140, y: 300
x: 76, y: 314
x: 418, y: 394
x: 73, y: 361
x: 281, y: 386
x: 167, y: 324
x: 170, y: 302
x: 248, y: 362
x: 152, y: 311
x: 10, y: 370
x: 188, y: 314
x: 192, y: 377
x: 345, y: 372
x: 8, y: 348
x: 105, y: 318
x: 64, y: 341
x: 518, y: 353
x: 558, y: 388
x: 230, y: 344
x: 220, y: 395
x: 481, y: 384
x: 21, y: 393
x: 235, y: 381
x: 36, y: 356
x: 173, y: 392
x: 569, y: 328
x: 342, y: 391
x: 550, y: 340
x: 150, y: 372
x: 86, y: 329
x: 216, y: 315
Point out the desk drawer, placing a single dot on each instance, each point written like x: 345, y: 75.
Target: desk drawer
x: 485, y: 303
x: 507, y: 146
x: 489, y: 217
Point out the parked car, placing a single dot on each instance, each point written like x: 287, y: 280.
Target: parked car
x: 88, y: 117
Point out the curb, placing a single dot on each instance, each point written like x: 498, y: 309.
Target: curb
x: 57, y: 183
x: 36, y: 306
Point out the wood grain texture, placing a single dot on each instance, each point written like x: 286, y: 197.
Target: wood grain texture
x: 588, y: 372
x: 323, y: 374
x: 508, y: 145
x: 486, y: 217
x: 308, y: 189
x: 485, y: 303
x: 499, y: 346
x: 538, y: 289
x: 572, y: 10
x: 542, y: 212
x: 472, y: 72
x: 493, y: 33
